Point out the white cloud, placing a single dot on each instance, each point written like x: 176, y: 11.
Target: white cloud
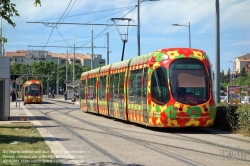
x: 242, y: 43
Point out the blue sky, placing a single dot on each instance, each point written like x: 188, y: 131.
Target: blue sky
x: 156, y: 20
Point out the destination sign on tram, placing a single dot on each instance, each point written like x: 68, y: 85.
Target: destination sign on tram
x: 187, y: 66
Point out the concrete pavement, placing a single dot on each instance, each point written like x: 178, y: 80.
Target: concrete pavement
x: 19, y: 114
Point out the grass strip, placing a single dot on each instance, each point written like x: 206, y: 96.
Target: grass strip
x: 21, y: 144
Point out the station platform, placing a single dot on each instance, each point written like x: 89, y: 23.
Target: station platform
x: 18, y: 114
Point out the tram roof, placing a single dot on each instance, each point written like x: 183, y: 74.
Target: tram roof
x: 140, y: 60
x: 120, y: 65
x: 144, y: 60
x: 84, y: 74
x: 32, y: 82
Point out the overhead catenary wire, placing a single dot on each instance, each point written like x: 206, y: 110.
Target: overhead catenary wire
x: 61, y: 40
x: 68, y: 13
x: 56, y: 24
x: 108, y: 27
x: 91, y: 12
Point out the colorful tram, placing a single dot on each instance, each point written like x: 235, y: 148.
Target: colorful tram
x: 32, y: 91
x: 168, y: 88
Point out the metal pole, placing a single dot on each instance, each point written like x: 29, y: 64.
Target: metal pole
x: 124, y: 42
x: 74, y: 77
x: 107, y: 48
x: 67, y: 73
x: 138, y: 28
x: 48, y: 86
x: 1, y: 50
x: 17, y: 97
x: 233, y: 76
x: 189, y: 35
x: 217, y: 52
x: 57, y: 83
x: 3, y: 44
x: 92, y: 43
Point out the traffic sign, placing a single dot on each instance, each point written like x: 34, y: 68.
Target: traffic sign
x: 19, y: 81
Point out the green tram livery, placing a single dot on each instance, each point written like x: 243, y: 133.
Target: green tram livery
x: 170, y: 87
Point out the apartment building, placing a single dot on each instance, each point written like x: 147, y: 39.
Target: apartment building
x: 30, y: 56
x: 242, y: 62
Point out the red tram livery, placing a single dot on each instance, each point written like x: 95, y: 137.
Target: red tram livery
x: 32, y: 91
x: 171, y: 87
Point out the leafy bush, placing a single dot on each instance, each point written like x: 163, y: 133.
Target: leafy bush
x: 243, y: 112
x: 226, y: 117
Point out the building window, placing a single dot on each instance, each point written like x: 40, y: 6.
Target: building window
x: 15, y: 60
x: 22, y: 60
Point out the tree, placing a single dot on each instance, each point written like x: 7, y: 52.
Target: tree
x: 7, y: 10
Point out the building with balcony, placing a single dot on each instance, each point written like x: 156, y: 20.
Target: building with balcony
x: 242, y: 62
x: 30, y: 56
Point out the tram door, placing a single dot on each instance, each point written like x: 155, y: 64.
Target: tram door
x: 121, y: 94
x: 91, y: 101
x: 111, y: 95
x: 144, y: 95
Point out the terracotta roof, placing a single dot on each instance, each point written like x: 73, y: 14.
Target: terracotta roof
x: 244, y: 57
x: 13, y: 54
x: 78, y: 56
x: 21, y: 51
x: 246, y: 60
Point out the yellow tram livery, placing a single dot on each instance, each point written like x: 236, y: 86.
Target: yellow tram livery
x: 170, y: 87
x: 32, y: 91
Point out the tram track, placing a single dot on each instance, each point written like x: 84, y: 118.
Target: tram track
x: 84, y: 139
x: 151, y: 145
x: 199, y: 129
x: 144, y: 143
x: 185, y: 138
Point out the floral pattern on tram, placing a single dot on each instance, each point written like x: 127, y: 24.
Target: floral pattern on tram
x: 175, y: 114
x: 117, y: 99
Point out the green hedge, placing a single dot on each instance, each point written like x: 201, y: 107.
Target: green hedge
x: 233, y: 118
x: 243, y: 112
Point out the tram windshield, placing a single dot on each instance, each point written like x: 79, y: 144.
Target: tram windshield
x: 189, y: 81
x: 32, y: 90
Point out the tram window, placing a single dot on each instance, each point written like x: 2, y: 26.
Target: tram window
x: 135, y: 86
x: 82, y: 91
x: 94, y: 88
x: 121, y: 85
x: 91, y: 88
x: 41, y: 90
x: 116, y: 83
x: 111, y: 80
x: 145, y: 82
x: 102, y: 91
x: 159, y: 86
x: 192, y: 75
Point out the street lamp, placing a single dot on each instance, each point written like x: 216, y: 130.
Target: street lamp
x: 187, y: 25
x: 233, y: 74
x: 138, y: 26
